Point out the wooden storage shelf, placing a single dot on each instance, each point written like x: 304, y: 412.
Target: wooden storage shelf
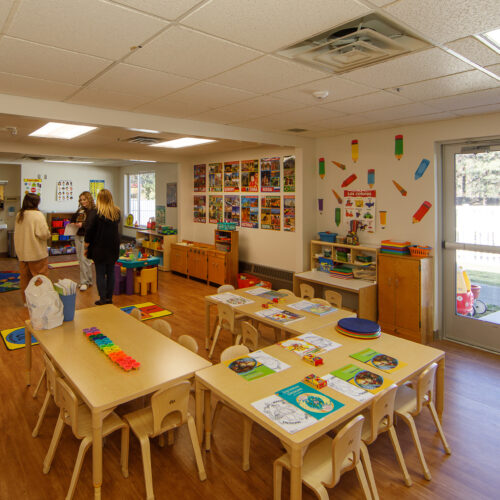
x: 158, y: 245
x: 59, y: 246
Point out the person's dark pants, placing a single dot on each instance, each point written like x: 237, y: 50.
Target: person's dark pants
x: 105, y: 274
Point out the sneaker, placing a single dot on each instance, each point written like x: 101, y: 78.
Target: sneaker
x: 83, y: 288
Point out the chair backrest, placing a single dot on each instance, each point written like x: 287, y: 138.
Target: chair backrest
x: 233, y: 351
x: 346, y: 444
x: 188, y: 342
x: 225, y: 288
x: 306, y: 291
x: 149, y: 274
x: 226, y: 316
x: 51, y: 375
x: 136, y: 313
x: 321, y: 301
x: 425, y: 387
x: 334, y: 298
x: 171, y: 402
x: 286, y: 291
x: 381, y: 415
x: 161, y: 326
x: 68, y: 405
x: 249, y: 336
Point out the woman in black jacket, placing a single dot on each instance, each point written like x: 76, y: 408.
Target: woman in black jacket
x: 102, y: 241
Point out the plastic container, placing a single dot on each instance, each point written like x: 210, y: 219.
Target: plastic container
x: 330, y: 237
x: 419, y: 251
x: 69, y: 302
x: 246, y: 280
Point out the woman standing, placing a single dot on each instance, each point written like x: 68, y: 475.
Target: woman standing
x: 102, y: 241
x: 31, y: 233
x: 85, y: 213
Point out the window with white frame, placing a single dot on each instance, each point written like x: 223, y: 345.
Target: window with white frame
x: 141, y: 196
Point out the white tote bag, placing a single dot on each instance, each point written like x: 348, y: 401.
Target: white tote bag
x: 45, y: 306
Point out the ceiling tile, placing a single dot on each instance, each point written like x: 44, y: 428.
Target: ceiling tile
x: 170, y: 9
x: 217, y: 116
x: 416, y: 67
x: 397, y: 112
x: 367, y: 102
x: 270, y: 25
x: 346, y: 121
x: 106, y: 99
x: 462, y: 101
x: 478, y: 110
x: 128, y: 79
x: 446, y: 20
x: 448, y: 85
x: 262, y: 106
x: 169, y: 107
x: 267, y: 74
x: 47, y: 63
x: 185, y: 52
x: 474, y: 50
x: 211, y: 95
x: 443, y: 115
x: 308, y: 115
x: 5, y: 7
x: 338, y: 88
x: 494, y: 69
x: 87, y: 26
x: 34, y: 87
x: 380, y: 3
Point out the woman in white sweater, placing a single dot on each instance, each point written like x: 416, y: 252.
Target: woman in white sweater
x: 30, y: 239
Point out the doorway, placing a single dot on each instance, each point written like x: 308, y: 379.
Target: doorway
x: 471, y: 246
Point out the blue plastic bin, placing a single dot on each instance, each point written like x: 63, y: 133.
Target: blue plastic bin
x: 330, y: 237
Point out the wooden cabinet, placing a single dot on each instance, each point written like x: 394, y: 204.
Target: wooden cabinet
x: 178, y: 258
x: 227, y: 241
x: 217, y: 269
x: 197, y: 262
x: 158, y: 245
x: 405, y: 296
x: 58, y: 243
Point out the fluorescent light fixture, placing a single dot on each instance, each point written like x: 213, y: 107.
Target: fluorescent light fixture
x: 66, y: 161
x: 147, y: 131
x: 491, y: 39
x: 146, y: 161
x: 53, y: 130
x: 183, y: 142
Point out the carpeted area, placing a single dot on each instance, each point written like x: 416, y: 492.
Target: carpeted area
x: 9, y: 281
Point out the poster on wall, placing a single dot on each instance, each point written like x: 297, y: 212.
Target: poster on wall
x: 360, y: 206
x: 231, y: 176
x: 200, y: 208
x: 270, y: 175
x: 160, y: 215
x: 215, y: 213
x: 232, y: 209
x: 64, y: 190
x: 289, y: 213
x: 215, y: 177
x: 249, y: 175
x: 33, y: 186
x: 289, y: 174
x: 172, y: 194
x: 270, y: 212
x: 200, y: 178
x: 250, y: 211
x: 95, y: 186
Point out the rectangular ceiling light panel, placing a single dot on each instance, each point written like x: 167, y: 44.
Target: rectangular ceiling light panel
x: 54, y: 130
x: 183, y: 142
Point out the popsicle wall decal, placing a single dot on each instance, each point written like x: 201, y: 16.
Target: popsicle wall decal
x: 371, y: 177
x: 338, y: 212
x: 320, y: 204
x: 338, y: 164
x: 398, y: 147
x: 339, y: 199
x: 400, y: 188
x: 421, y: 168
x: 349, y: 180
x: 383, y: 218
x: 355, y: 150
x: 322, y: 167
x: 423, y: 209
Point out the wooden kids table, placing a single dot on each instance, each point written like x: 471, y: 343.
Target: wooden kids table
x: 131, y: 266
x: 102, y: 384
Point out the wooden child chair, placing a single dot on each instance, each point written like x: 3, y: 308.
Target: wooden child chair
x: 188, y: 342
x: 323, y: 302
x: 334, y: 298
x: 409, y: 403
x: 161, y: 326
x: 147, y: 276
x: 229, y: 320
x: 326, y: 460
x: 168, y: 410
x: 250, y: 336
x: 306, y: 291
x: 136, y: 313
x: 286, y: 291
x: 79, y: 418
x: 233, y: 352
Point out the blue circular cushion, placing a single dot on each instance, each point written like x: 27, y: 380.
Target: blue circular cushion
x: 358, y: 325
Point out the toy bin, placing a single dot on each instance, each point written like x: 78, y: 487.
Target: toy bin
x: 246, y: 280
x: 329, y: 237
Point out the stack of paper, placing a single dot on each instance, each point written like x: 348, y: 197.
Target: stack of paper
x: 65, y: 287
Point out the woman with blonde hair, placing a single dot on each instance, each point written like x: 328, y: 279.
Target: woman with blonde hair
x: 102, y: 241
x: 31, y: 233
x: 82, y: 217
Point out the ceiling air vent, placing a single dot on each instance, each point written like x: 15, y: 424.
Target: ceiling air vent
x: 140, y: 139
x: 296, y: 130
x: 361, y: 42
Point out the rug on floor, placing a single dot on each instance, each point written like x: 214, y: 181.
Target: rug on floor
x: 9, y: 281
x: 14, y: 338
x: 148, y: 310
x: 68, y: 263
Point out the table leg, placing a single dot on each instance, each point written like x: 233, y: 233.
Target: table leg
x: 207, y: 325
x: 97, y: 418
x: 198, y: 418
x: 130, y: 281
x: 440, y: 388
x: 296, y: 455
x: 27, y: 341
x: 208, y: 418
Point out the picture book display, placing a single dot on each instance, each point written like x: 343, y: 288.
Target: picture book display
x: 280, y: 315
x: 256, y: 365
x: 231, y: 299
x: 309, y: 343
x: 361, y: 378
x: 311, y: 307
x: 378, y: 360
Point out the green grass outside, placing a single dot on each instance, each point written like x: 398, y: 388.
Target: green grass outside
x: 484, y: 278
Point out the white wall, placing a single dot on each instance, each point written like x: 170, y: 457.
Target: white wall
x: 12, y: 174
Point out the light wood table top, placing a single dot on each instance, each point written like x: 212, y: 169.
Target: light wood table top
x: 325, y: 278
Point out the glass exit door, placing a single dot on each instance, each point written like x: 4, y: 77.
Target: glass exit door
x: 471, y: 254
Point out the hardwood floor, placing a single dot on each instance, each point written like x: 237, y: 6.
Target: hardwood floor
x: 471, y: 423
